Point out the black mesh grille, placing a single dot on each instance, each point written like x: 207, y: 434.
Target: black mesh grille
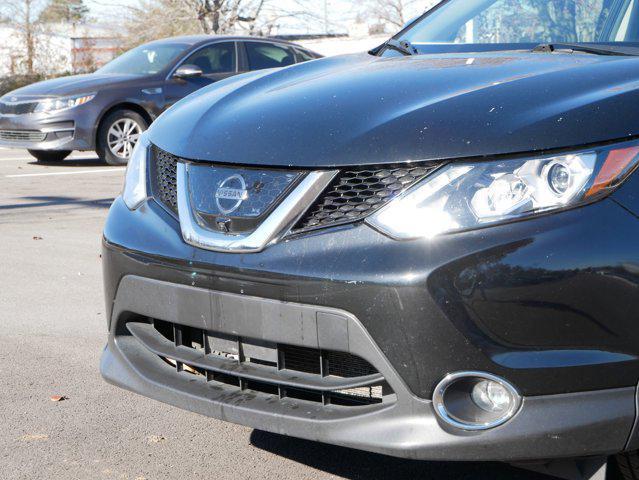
x: 356, y: 193
x: 164, y: 178
x: 301, y: 359
x: 346, y: 365
x: 17, y: 108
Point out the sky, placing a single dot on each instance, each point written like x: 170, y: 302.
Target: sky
x: 340, y: 13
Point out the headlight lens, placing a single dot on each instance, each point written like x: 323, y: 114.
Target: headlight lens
x: 462, y: 196
x: 63, y: 103
x: 134, y: 192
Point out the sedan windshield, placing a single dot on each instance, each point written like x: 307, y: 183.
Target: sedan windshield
x: 144, y: 60
x: 467, y: 25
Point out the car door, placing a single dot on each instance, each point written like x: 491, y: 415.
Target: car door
x: 217, y: 61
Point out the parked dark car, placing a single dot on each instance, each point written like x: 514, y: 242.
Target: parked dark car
x: 107, y: 111
x: 428, y: 251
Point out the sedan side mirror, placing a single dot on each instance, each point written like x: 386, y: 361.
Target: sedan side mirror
x: 188, y: 71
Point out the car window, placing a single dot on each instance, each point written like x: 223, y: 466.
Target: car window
x: 145, y: 60
x: 267, y: 55
x: 304, y: 55
x: 526, y: 22
x: 533, y: 21
x: 216, y: 58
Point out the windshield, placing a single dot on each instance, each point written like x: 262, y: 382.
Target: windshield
x: 500, y: 24
x: 144, y: 60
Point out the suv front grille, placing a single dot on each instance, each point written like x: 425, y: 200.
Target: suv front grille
x: 17, y: 108
x: 283, y: 371
x: 353, y: 194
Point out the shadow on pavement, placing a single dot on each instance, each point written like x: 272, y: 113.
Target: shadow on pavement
x: 73, y: 162
x: 55, y: 201
x: 355, y: 464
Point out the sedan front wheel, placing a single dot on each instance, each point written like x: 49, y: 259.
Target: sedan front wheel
x: 119, y: 133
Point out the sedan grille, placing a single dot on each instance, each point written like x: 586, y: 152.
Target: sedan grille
x: 17, y: 108
x: 354, y: 194
x: 22, y: 135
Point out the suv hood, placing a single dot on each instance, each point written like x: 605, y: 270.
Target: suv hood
x: 361, y: 109
x: 75, y: 84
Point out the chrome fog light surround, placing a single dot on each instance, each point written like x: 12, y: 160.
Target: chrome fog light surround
x: 454, y: 403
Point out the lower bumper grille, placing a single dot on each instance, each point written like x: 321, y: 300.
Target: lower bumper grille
x: 22, y: 135
x: 284, y: 371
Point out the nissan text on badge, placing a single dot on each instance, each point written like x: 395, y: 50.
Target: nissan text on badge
x: 430, y: 250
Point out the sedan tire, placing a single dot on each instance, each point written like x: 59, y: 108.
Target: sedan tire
x: 119, y: 132
x: 49, y: 156
x: 627, y: 466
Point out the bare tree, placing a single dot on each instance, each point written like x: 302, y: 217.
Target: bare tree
x: 396, y: 13
x: 69, y: 11
x: 154, y: 19
x: 220, y: 16
x: 23, y: 15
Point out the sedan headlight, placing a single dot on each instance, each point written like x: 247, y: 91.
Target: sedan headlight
x: 62, y: 103
x: 463, y: 196
x: 134, y: 192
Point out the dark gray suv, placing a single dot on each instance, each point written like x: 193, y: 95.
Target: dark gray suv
x: 108, y: 110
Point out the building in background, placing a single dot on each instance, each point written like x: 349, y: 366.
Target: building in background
x: 88, y: 53
x: 59, y: 49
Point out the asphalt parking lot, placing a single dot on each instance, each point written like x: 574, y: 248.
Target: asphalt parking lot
x: 52, y: 330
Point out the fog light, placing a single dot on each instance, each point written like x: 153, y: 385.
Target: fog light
x: 491, y: 396
x: 475, y: 400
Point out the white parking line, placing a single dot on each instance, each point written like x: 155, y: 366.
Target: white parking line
x: 31, y: 159
x: 80, y: 172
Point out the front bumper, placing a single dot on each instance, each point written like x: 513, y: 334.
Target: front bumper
x: 553, y: 426
x: 419, y: 310
x: 68, y: 130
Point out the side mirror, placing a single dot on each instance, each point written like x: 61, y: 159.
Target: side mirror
x: 188, y: 71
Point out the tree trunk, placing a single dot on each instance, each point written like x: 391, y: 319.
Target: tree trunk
x: 28, y: 31
x: 215, y: 23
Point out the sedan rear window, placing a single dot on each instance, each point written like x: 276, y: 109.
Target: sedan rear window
x: 267, y: 55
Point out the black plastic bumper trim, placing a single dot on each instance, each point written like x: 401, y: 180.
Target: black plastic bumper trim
x: 146, y: 334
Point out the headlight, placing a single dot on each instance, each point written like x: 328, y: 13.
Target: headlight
x: 462, y: 196
x: 134, y: 192
x: 62, y: 103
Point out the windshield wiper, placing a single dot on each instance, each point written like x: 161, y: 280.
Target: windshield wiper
x: 401, y: 46
x: 594, y: 49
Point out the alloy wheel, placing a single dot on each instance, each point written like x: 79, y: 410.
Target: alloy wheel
x: 122, y: 137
